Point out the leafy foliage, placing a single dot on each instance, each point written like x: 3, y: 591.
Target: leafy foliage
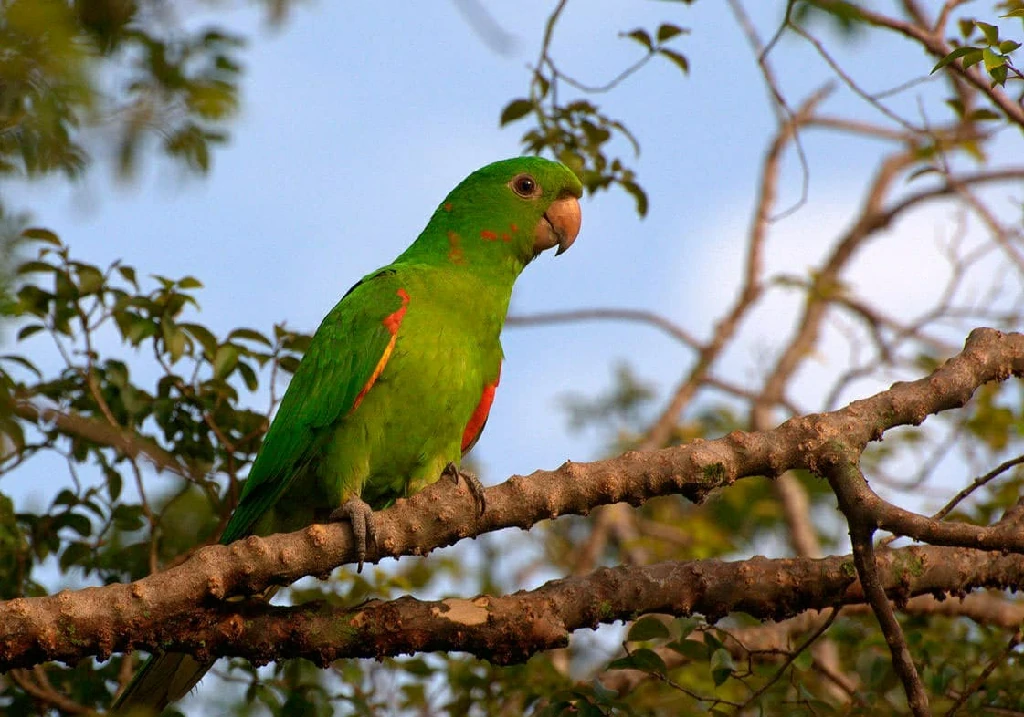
x: 179, y: 85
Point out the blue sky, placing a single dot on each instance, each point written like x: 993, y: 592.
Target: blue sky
x: 358, y: 118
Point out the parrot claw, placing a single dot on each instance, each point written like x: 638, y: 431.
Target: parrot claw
x: 360, y: 515
x: 476, y: 488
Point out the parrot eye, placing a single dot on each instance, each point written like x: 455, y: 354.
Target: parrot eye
x: 525, y: 186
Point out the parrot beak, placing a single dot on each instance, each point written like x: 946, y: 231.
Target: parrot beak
x: 559, y: 226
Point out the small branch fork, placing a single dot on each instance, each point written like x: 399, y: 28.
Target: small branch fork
x: 847, y: 483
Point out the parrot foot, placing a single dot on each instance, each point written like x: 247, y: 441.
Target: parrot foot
x: 476, y: 488
x: 360, y: 515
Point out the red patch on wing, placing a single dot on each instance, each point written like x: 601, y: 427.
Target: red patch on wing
x: 505, y: 237
x: 480, y: 413
x: 391, y: 323
x: 447, y: 206
x: 455, y: 254
x: 514, y: 227
x: 488, y: 235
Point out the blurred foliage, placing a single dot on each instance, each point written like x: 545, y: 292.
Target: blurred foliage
x: 173, y: 84
x: 150, y: 418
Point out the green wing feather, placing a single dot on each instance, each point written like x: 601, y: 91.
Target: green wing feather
x: 339, y: 363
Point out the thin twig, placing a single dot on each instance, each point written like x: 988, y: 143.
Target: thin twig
x: 791, y: 659
x: 607, y: 314
x: 979, y: 681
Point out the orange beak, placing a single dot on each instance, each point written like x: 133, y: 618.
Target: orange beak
x: 559, y: 226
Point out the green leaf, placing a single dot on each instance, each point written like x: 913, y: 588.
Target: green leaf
x: 43, y: 235
x: 1008, y: 46
x: 666, y: 32
x: 984, y: 115
x: 973, y: 58
x: 649, y: 661
x: 514, y: 110
x: 34, y: 267
x: 127, y: 517
x: 250, y: 335
x: 677, y: 59
x: 639, y: 195
x: 190, y: 282
x: 177, y: 345
x: 138, y: 329
x: 641, y: 36
x: 622, y: 663
x: 684, y: 626
x: 289, y: 364
x: 24, y: 363
x: 74, y: 554
x: 248, y: 376
x: 77, y: 522
x: 991, y: 32
x: 955, y: 54
x: 992, y: 59
x: 128, y: 274
x: 203, y: 335
x: 66, y: 497
x: 29, y: 330
x: 642, y: 659
x: 690, y: 649
x: 647, y: 628
x: 114, y: 483
x: 998, y: 75
x: 90, y: 279
x: 722, y: 666
x: 224, y: 361
x: 712, y: 641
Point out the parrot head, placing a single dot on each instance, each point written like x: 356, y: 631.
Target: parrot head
x: 506, y: 212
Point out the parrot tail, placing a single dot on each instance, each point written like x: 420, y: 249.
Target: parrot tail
x: 168, y: 677
x: 163, y: 679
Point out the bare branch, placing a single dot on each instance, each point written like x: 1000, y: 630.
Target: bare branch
x: 132, y: 445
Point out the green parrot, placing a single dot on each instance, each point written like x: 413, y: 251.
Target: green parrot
x: 398, y: 380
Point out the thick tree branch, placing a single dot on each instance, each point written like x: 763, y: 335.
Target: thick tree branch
x: 153, y: 611
x: 502, y: 629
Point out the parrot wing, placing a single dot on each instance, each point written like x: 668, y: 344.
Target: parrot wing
x: 344, y: 359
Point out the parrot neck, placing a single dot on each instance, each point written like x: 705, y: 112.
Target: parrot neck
x: 463, y: 247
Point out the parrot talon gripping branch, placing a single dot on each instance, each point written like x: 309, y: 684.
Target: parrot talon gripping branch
x: 379, y: 406
x: 359, y: 515
x: 473, y: 484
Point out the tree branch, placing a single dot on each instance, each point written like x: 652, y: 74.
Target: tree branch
x: 845, y: 478
x: 502, y: 629
x: 130, y: 444
x: 183, y: 606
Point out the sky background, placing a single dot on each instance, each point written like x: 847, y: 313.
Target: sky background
x: 358, y: 118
